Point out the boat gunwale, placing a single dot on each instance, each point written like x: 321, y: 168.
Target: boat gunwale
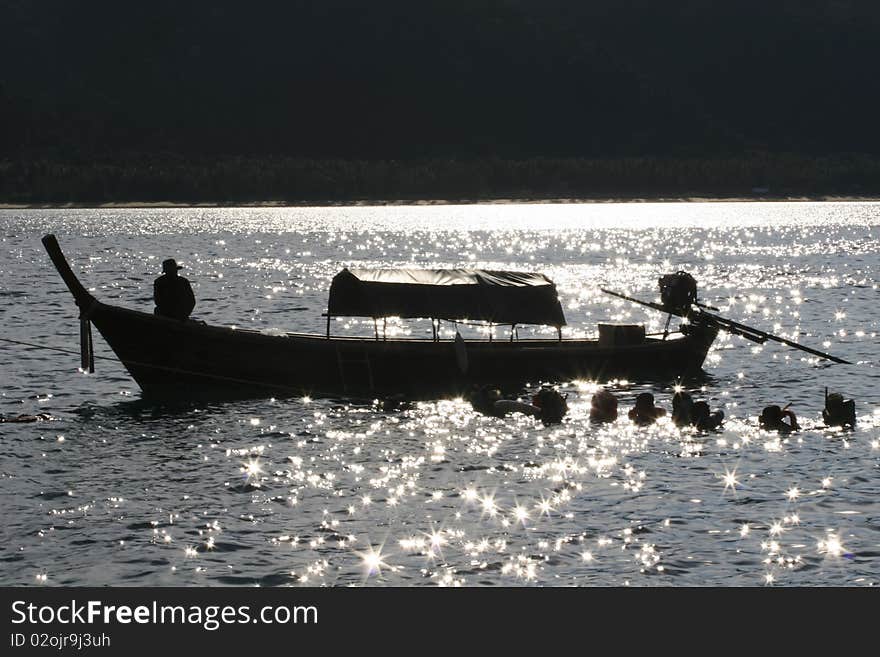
x: 197, y: 326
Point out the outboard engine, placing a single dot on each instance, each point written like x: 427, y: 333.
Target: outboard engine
x: 678, y: 291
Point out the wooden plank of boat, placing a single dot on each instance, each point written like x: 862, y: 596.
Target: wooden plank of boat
x: 188, y: 360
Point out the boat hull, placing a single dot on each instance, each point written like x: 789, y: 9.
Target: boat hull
x: 173, y: 359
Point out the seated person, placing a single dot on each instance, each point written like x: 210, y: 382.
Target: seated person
x: 839, y: 412
x: 173, y: 293
x: 603, y: 407
x: 644, y: 411
x: 703, y: 419
x: 682, y: 409
x: 551, y: 405
x: 773, y: 418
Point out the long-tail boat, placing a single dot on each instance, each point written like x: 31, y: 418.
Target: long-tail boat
x: 187, y: 359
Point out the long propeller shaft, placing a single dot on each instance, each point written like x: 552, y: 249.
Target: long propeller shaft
x: 748, y: 332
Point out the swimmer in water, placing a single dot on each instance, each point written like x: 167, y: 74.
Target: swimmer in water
x: 644, y: 412
x: 773, y: 418
x: 603, y: 407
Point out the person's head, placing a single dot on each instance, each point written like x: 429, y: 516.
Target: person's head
x: 393, y: 403
x: 546, y: 396
x: 700, y: 410
x: 839, y: 411
x: 552, y: 404
x: 834, y: 402
x: 603, y: 406
x: 771, y: 416
x: 170, y: 267
x: 682, y: 401
x: 645, y: 400
x: 604, y: 400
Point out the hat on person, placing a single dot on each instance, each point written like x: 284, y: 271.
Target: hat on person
x: 170, y: 265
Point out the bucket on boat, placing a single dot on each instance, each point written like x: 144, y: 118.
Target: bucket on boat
x: 616, y: 335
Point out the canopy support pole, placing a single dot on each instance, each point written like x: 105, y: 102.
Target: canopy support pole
x: 491, y: 331
x: 559, y: 332
x: 512, y: 331
x: 384, y: 329
x: 376, y: 328
x: 434, y: 326
x: 328, y: 326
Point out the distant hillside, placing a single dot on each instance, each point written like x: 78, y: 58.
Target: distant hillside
x: 514, y: 78
x: 162, y: 81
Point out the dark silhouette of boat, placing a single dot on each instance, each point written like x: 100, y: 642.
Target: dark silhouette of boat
x: 191, y: 360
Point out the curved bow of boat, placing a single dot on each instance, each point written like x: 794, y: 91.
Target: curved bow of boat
x: 82, y: 296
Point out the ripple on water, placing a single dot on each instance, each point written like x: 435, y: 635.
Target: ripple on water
x: 330, y: 492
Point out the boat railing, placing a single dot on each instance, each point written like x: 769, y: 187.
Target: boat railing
x: 450, y: 339
x: 435, y: 328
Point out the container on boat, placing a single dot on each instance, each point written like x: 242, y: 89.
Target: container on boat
x: 615, y: 335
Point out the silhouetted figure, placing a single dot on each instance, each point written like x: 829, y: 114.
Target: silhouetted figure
x: 394, y: 403
x: 839, y: 412
x: 773, y: 418
x: 483, y: 399
x: 504, y: 406
x: 488, y: 400
x: 704, y: 419
x: 39, y: 417
x: 644, y: 411
x: 173, y: 294
x: 682, y: 409
x: 547, y: 405
x: 551, y: 404
x: 603, y: 407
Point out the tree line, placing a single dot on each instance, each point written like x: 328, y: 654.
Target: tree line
x: 237, y: 179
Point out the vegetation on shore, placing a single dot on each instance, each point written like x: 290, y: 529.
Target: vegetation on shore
x: 236, y: 179
x: 334, y: 101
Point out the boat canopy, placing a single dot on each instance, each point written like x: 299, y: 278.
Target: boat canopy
x: 500, y: 297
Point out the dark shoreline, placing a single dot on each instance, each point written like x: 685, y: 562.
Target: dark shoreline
x: 133, y: 205
x: 164, y: 180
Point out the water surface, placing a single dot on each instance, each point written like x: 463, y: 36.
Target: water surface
x: 117, y: 491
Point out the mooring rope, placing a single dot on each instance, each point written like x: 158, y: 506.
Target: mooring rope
x: 45, y: 346
x: 166, y: 368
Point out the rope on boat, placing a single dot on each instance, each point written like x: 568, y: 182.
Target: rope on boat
x: 44, y: 346
x: 167, y: 368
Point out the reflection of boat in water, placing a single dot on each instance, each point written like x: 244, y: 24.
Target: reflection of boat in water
x: 170, y: 358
